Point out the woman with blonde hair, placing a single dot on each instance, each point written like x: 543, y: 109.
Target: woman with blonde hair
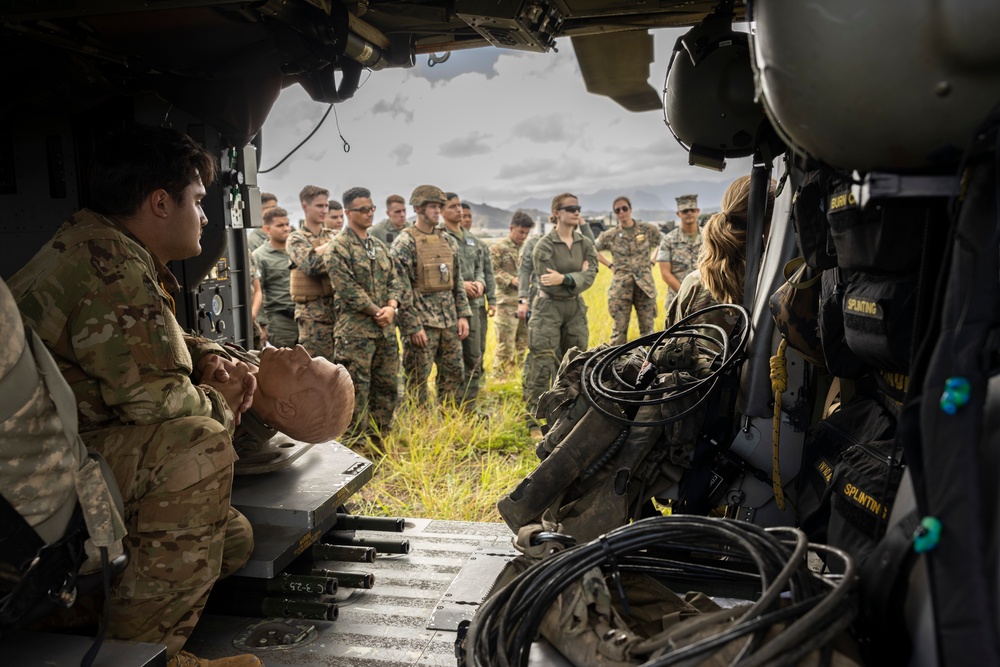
x: 566, y: 264
x: 722, y: 265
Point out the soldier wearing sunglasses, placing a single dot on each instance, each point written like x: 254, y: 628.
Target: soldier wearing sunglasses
x: 632, y: 245
x: 366, y: 300
x: 680, y: 248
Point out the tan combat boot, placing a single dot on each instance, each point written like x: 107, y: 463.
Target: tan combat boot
x: 185, y: 659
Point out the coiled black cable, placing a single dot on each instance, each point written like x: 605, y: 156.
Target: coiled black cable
x: 501, y: 633
x: 724, y: 350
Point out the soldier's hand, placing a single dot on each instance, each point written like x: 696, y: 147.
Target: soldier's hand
x: 480, y: 288
x: 420, y: 338
x: 522, y: 310
x: 263, y: 336
x: 551, y: 278
x: 586, y: 265
x: 514, y: 282
x: 233, y: 379
x: 463, y: 328
x: 384, y: 316
x: 491, y: 311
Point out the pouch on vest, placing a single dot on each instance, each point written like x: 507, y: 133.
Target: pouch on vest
x: 812, y: 230
x: 886, y: 236
x: 878, y: 319
x: 840, y: 360
x: 304, y: 288
x: 795, y: 310
x: 435, y: 260
x: 858, y: 421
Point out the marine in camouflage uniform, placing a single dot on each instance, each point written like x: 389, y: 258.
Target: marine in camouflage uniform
x: 632, y: 284
x: 489, y: 306
x: 511, y: 331
x: 311, y: 290
x: 558, y: 314
x: 680, y: 248
x: 367, y: 288
x: 439, y: 315
x: 100, y: 300
x: 472, y: 271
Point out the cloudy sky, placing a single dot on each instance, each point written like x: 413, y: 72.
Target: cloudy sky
x: 497, y: 126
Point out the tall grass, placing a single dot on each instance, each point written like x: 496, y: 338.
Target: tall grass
x: 442, y: 463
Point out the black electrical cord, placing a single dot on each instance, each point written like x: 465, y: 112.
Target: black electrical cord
x: 301, y: 143
x: 724, y: 356
x: 501, y: 633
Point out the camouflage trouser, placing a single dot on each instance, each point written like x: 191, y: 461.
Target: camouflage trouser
x: 620, y: 302
x: 555, y: 327
x: 374, y: 367
x: 484, y: 320
x: 175, y: 478
x: 444, y: 349
x: 317, y: 337
x: 512, y: 339
x: 281, y: 330
x: 472, y: 358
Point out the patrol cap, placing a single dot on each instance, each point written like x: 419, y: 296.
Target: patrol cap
x: 685, y: 202
x: 426, y: 194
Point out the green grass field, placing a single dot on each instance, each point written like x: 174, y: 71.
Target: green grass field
x: 443, y: 464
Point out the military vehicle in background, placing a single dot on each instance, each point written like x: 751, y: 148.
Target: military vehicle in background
x: 894, y: 95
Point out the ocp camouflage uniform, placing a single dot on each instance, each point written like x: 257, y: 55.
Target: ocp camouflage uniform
x: 255, y: 239
x: 369, y: 352
x: 471, y: 263
x: 277, y: 311
x: 437, y: 314
x: 682, y: 253
x: 632, y: 283
x: 316, y: 317
x: 512, y: 333
x: 558, y: 315
x: 101, y: 302
x: 385, y: 232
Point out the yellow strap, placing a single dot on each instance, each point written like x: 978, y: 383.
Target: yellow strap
x: 779, y: 382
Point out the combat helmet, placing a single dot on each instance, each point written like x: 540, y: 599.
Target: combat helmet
x: 426, y: 194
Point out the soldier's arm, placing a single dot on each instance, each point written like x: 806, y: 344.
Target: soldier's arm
x: 584, y: 278
x: 351, y: 294
x: 524, y: 271
x: 503, y: 279
x: 402, y: 256
x: 655, y: 236
x: 303, y: 256
x: 141, y: 364
x: 491, y: 282
x: 462, y: 307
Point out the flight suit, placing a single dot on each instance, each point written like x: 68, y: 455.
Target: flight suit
x: 489, y: 299
x: 471, y: 263
x: 385, y: 232
x: 101, y: 302
x: 558, y: 314
x: 632, y: 284
x: 277, y: 311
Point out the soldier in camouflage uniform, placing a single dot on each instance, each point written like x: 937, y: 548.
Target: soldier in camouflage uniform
x: 310, y: 285
x: 566, y: 263
x: 433, y: 323
x: 679, y: 249
x: 387, y: 230
x: 367, y: 299
x: 258, y: 237
x: 488, y: 307
x: 277, y: 312
x: 632, y: 245
x: 98, y: 295
x: 512, y: 331
x: 473, y: 275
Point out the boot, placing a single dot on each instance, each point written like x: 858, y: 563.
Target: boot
x: 185, y: 659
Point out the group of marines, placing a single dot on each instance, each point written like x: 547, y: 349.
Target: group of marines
x: 342, y: 286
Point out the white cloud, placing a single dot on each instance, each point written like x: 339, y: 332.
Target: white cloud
x: 498, y: 126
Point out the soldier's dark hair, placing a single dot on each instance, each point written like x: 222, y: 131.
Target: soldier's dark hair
x: 522, y: 219
x: 267, y: 196
x: 448, y: 196
x: 276, y: 212
x: 335, y: 205
x: 467, y: 205
x: 355, y: 193
x: 132, y: 163
x: 394, y: 199
x: 310, y: 192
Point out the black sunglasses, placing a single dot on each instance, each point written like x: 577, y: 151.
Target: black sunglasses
x: 362, y: 209
x: 569, y: 209
x: 621, y: 209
